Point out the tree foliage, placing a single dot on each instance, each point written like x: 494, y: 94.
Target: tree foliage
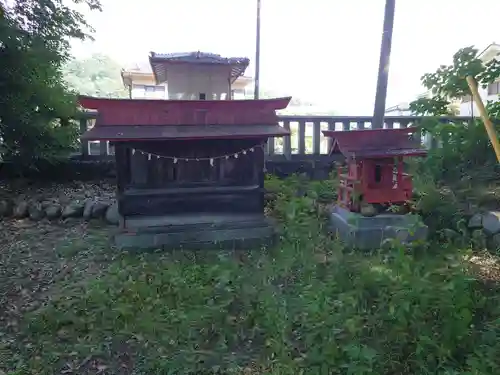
x: 97, y: 75
x: 465, y: 148
x: 34, y: 46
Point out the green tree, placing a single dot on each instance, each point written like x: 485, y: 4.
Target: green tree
x: 98, y: 75
x: 34, y: 45
x: 465, y: 148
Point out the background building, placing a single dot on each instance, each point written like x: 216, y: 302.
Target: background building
x: 140, y: 82
x: 467, y: 106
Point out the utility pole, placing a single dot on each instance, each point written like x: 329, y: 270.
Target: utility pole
x: 383, y: 68
x: 257, y: 55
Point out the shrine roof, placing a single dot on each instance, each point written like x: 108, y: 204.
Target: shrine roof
x: 375, y: 143
x: 159, y: 60
x: 128, y: 119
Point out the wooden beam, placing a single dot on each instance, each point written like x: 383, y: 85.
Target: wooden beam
x: 484, y: 116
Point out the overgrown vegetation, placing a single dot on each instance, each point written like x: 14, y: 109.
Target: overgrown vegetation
x: 34, y: 45
x: 460, y: 174
x: 307, y: 306
x: 465, y: 150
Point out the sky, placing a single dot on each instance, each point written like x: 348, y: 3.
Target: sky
x: 324, y: 51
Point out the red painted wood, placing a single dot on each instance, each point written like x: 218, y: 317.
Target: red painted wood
x: 136, y: 112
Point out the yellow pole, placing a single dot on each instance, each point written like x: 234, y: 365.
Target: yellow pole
x: 484, y: 116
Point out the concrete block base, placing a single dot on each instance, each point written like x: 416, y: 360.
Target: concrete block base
x: 200, y: 232
x: 368, y: 233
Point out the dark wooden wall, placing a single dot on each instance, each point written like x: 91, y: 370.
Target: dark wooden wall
x: 144, y: 172
x: 159, y: 186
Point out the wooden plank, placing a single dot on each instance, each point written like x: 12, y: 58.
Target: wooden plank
x: 138, y: 169
x: 361, y: 125
x: 287, y: 141
x: 302, y: 138
x: 185, y: 191
x: 316, y: 137
x: 346, y: 125
x: 156, y: 205
x: 103, y: 148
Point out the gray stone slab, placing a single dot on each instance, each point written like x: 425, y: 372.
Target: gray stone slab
x: 239, y: 234
x: 368, y: 233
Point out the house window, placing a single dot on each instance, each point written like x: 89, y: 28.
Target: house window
x: 467, y: 99
x: 494, y: 88
x: 154, y: 92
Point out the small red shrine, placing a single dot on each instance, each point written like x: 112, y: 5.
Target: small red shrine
x: 374, y: 173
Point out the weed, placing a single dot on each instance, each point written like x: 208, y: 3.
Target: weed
x: 303, y: 307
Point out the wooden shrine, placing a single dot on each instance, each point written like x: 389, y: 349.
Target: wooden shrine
x: 189, y: 172
x: 197, y: 75
x: 374, y: 173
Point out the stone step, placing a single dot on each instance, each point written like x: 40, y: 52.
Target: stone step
x: 246, y: 237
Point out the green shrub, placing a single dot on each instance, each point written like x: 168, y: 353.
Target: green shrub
x: 306, y: 306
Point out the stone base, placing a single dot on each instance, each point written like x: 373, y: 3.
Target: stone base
x: 368, y: 233
x: 198, y: 232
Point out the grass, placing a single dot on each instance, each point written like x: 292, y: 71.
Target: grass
x: 308, y: 306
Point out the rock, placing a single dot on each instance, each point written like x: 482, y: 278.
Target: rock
x: 53, y: 211
x: 112, y: 215
x: 6, y: 207
x: 491, y: 222
x: 21, y: 210
x: 368, y: 210
x: 479, y: 239
x: 87, y: 209
x: 74, y: 209
x: 99, y: 209
x: 64, y: 199
x: 495, y: 240
x: 36, y: 212
x: 476, y: 221
x: 46, y: 204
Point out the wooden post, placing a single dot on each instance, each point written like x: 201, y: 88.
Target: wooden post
x: 484, y: 116
x: 316, y: 137
x: 287, y: 141
x: 301, y: 134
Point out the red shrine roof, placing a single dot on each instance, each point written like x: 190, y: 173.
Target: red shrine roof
x: 140, y: 119
x: 160, y: 61
x: 375, y: 143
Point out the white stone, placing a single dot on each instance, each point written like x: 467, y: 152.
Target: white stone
x: 491, y: 222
